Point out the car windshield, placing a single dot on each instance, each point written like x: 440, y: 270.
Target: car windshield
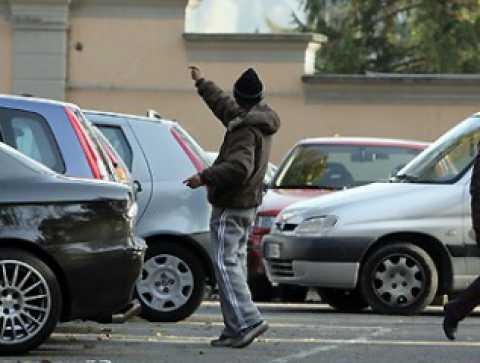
x: 446, y: 159
x: 339, y: 166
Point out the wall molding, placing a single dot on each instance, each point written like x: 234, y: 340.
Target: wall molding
x: 298, y: 38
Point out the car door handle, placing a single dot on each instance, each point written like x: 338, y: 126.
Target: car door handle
x: 137, y: 186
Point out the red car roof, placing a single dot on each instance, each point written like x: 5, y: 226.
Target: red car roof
x: 366, y: 141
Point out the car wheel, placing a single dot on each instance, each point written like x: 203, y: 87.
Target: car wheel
x: 399, y: 279
x: 172, y: 283
x: 292, y: 293
x: 349, y: 301
x: 30, y: 301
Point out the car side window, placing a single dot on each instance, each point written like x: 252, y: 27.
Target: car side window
x: 118, y: 140
x: 30, y: 134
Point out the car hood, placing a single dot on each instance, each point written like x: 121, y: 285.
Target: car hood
x: 277, y: 199
x: 379, y: 201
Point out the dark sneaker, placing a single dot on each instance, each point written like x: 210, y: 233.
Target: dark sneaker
x: 222, y: 341
x: 249, y: 335
x: 450, y: 324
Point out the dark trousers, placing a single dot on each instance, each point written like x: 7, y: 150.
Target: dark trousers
x: 464, y: 303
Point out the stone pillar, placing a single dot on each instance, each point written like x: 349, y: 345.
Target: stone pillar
x: 39, y: 47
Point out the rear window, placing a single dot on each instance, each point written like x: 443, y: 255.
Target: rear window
x: 117, y: 139
x: 30, y: 134
x: 15, y: 164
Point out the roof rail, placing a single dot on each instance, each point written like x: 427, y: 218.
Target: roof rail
x: 154, y: 114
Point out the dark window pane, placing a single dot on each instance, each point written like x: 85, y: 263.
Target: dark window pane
x: 118, y: 140
x: 30, y: 134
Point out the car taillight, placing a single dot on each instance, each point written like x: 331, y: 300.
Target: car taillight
x: 191, y: 155
x: 86, y: 144
x: 255, y: 239
x: 260, y: 231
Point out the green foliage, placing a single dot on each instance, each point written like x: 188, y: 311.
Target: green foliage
x: 404, y: 36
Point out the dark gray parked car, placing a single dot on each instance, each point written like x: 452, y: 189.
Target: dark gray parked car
x: 173, y: 219
x: 67, y: 251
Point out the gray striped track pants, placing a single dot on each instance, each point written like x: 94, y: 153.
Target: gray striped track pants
x: 229, y: 233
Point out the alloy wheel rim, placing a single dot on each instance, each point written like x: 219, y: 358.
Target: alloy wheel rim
x: 166, y: 283
x: 25, y: 302
x: 398, y: 280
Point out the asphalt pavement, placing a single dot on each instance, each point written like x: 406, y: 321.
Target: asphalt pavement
x: 298, y: 333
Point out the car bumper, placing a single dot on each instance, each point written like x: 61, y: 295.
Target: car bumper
x: 314, y: 261
x: 102, y: 283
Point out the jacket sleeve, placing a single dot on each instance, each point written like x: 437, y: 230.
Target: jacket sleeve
x: 223, y: 106
x: 475, y: 194
x: 238, y: 165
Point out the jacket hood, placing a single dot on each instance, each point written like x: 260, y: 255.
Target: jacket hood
x: 260, y: 116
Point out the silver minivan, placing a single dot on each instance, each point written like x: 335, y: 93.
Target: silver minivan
x: 391, y: 245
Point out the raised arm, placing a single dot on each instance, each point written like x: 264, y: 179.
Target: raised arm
x: 223, y: 106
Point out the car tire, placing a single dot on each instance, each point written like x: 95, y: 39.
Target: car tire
x: 261, y: 289
x: 348, y: 301
x: 172, y: 283
x: 30, y: 301
x: 292, y: 293
x: 400, y: 278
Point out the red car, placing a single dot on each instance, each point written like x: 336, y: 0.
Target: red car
x: 312, y: 168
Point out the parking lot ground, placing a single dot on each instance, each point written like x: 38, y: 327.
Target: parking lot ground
x: 298, y: 333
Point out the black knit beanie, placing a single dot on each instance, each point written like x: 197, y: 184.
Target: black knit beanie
x: 248, y: 87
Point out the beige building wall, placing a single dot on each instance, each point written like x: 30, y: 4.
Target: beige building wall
x: 416, y: 122
x: 139, y: 45
x: 5, y: 49
x: 140, y: 62
x: 131, y: 55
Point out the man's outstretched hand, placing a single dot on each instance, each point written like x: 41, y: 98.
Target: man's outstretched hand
x: 193, y: 182
x: 195, y: 73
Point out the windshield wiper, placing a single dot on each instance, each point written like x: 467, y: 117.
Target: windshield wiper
x: 326, y: 187
x: 406, y: 177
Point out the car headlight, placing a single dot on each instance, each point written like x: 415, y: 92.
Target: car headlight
x: 286, y: 222
x: 316, y: 226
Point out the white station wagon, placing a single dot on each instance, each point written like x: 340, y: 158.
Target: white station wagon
x: 391, y: 245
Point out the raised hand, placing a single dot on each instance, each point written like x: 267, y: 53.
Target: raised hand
x: 195, y: 73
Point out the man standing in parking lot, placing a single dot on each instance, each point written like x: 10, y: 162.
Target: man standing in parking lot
x: 235, y: 189
x: 458, y: 309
